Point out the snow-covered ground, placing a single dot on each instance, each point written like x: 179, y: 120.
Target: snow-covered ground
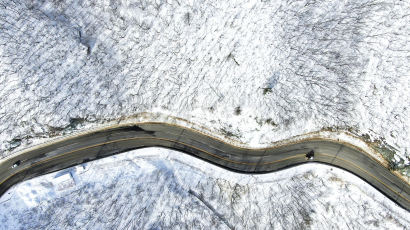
x: 259, y: 71
x: 255, y: 71
x: 156, y: 188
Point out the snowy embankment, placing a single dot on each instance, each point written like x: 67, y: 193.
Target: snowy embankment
x: 257, y: 71
x: 164, y: 189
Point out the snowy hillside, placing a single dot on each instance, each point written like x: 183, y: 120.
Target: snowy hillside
x: 260, y: 71
x: 157, y: 188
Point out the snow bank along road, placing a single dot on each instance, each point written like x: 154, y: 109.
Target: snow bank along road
x: 105, y: 142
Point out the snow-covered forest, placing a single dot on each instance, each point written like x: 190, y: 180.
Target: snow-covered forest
x: 260, y: 70
x: 255, y: 71
x: 157, y: 188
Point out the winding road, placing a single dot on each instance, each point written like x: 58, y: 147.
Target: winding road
x: 75, y: 150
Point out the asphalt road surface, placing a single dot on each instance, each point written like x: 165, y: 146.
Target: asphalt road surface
x: 87, y: 147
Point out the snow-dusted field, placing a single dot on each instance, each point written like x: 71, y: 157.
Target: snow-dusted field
x: 260, y: 71
x: 156, y: 188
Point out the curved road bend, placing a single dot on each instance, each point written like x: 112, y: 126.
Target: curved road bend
x: 76, y: 150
